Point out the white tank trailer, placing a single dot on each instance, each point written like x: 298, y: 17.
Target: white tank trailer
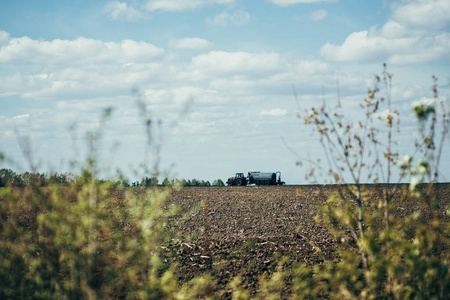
x: 257, y: 178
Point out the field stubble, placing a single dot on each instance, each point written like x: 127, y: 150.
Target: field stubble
x: 245, y: 231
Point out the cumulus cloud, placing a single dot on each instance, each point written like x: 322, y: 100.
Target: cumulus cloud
x: 78, y: 68
x: 290, y: 2
x: 276, y: 112
x: 191, y: 44
x: 182, y: 95
x: 4, y: 37
x: 137, y: 10
x: 365, y: 46
x: 359, y: 46
x: 238, y: 18
x: 313, y: 67
x: 117, y: 10
x: 430, y: 14
x: 318, y: 15
x: 81, y: 50
x: 181, y: 5
x: 411, y: 36
x: 238, y: 63
x: 86, y: 69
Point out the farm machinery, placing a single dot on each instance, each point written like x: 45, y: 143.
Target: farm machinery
x: 257, y: 178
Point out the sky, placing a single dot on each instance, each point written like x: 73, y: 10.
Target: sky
x: 222, y: 81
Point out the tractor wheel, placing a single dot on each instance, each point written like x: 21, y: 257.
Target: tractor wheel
x: 239, y: 182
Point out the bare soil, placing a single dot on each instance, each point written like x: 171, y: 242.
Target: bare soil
x: 244, y: 231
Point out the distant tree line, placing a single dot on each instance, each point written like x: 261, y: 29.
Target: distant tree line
x: 153, y: 181
x: 10, y: 178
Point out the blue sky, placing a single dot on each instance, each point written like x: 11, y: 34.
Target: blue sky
x: 232, y: 62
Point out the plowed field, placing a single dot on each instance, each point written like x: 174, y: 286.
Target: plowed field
x: 230, y: 231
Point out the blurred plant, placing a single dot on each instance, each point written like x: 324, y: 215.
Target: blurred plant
x: 382, y: 253
x: 86, y: 238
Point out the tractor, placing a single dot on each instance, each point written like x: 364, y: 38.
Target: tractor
x: 237, y: 179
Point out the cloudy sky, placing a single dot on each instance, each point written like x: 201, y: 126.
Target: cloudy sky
x: 217, y: 78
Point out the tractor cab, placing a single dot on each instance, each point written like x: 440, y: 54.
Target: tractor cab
x: 238, y: 179
x: 239, y: 175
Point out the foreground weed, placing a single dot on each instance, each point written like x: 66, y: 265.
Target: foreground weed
x: 383, y: 254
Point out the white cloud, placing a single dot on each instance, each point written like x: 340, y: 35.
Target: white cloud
x: 276, y: 112
x: 430, y: 14
x: 182, y: 95
x: 238, y: 63
x: 238, y: 18
x: 290, y: 2
x: 4, y: 37
x: 120, y: 10
x: 313, y: 67
x: 88, y: 69
x: 358, y: 46
x: 81, y: 50
x: 191, y: 43
x: 410, y: 37
x: 185, y: 93
x: 88, y: 82
x: 318, y: 15
x: 181, y: 5
x: 81, y: 68
x: 392, y: 29
x: 365, y: 46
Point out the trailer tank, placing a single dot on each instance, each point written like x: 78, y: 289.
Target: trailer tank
x: 264, y: 178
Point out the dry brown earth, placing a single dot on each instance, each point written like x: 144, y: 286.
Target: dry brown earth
x: 230, y: 231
